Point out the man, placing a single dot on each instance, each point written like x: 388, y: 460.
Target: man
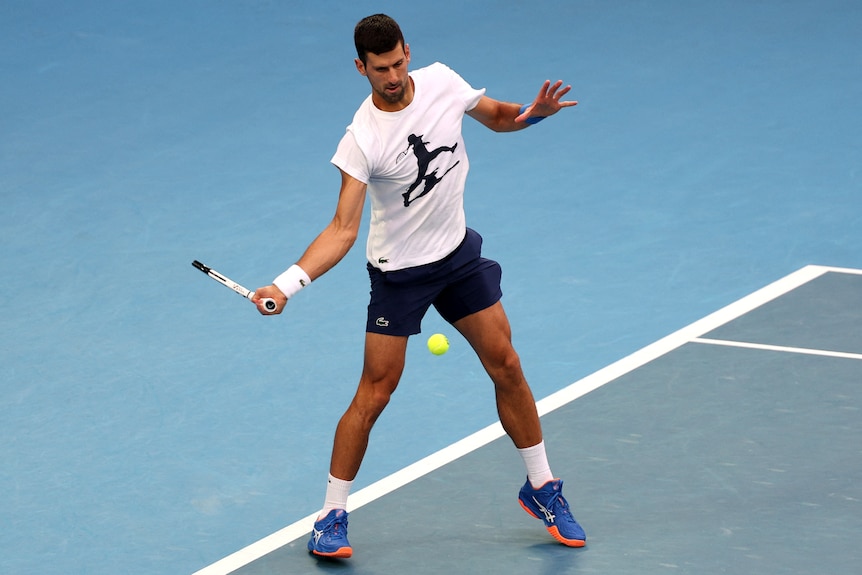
x: 405, y: 149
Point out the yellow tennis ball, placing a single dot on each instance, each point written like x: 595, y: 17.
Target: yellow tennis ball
x: 438, y: 344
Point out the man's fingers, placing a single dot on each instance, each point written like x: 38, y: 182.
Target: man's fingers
x: 543, y: 91
x: 557, y: 91
x: 548, y: 101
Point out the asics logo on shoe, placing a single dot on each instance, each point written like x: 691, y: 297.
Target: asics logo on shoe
x: 549, y: 517
x: 316, y: 535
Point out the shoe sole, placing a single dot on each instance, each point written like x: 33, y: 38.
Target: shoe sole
x: 555, y: 531
x: 341, y: 553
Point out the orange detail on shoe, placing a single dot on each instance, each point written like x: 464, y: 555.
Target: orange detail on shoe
x: 342, y: 553
x: 555, y: 533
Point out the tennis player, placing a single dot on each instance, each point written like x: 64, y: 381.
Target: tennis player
x: 404, y: 149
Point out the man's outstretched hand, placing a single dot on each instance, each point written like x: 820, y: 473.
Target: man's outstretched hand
x: 548, y: 103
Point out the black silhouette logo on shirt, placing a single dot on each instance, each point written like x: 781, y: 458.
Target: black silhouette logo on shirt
x: 424, y: 157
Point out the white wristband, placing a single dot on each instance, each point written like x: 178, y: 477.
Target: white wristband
x: 291, y: 281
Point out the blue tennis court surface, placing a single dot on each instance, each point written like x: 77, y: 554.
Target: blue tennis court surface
x: 152, y: 422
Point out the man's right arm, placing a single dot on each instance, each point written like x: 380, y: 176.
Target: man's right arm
x: 331, y: 245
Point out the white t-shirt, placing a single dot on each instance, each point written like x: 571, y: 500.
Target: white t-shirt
x: 415, y: 166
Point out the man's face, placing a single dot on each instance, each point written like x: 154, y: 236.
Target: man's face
x: 390, y: 83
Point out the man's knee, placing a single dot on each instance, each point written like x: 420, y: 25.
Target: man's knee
x: 505, y: 366
x: 373, y: 396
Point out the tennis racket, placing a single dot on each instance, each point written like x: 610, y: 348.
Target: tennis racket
x: 268, y: 303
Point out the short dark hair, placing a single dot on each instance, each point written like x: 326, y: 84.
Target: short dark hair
x: 377, y: 34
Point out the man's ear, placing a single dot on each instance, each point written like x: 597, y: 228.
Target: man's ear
x: 360, y: 67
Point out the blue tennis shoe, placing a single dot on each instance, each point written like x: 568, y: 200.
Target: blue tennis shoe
x: 548, y: 504
x: 329, y: 536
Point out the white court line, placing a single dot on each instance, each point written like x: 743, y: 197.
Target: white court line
x: 554, y: 401
x: 840, y: 270
x: 782, y: 348
x: 685, y: 335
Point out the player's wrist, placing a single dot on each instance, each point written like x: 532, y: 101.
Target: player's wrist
x: 291, y: 281
x: 532, y: 120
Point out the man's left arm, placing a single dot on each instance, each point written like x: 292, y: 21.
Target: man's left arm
x: 508, y: 117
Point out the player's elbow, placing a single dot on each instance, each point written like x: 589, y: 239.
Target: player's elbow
x: 349, y: 238
x: 346, y: 234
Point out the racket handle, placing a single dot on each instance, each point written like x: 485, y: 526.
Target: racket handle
x: 268, y: 302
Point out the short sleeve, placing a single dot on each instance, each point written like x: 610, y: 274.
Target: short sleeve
x: 466, y: 93
x: 350, y: 159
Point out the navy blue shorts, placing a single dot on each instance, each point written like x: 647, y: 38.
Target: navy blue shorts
x: 460, y: 284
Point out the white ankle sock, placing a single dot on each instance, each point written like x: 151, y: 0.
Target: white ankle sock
x: 536, y: 461
x: 337, y: 491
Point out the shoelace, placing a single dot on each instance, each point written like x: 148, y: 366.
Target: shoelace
x: 335, y: 523
x: 557, y: 498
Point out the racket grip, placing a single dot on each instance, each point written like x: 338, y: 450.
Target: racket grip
x: 268, y: 302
